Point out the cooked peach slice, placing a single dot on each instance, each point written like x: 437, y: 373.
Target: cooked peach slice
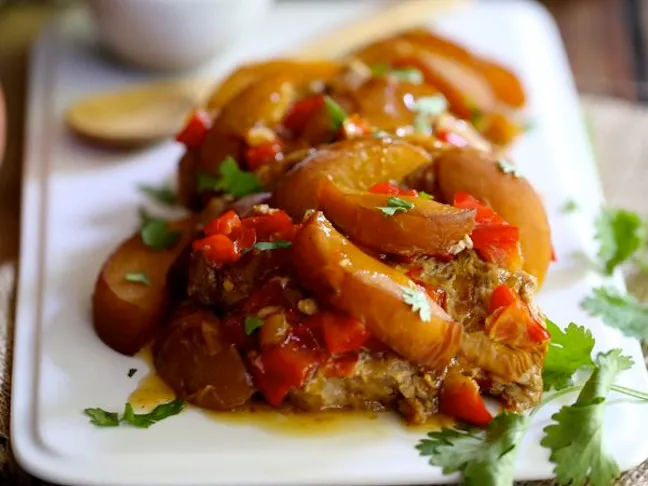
x: 352, y: 281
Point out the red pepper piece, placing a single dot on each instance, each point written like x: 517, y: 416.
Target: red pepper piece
x: 354, y: 126
x: 460, y: 398
x: 228, y: 224
x: 538, y: 333
x: 451, y: 138
x: 342, y: 333
x: 498, y: 243
x: 502, y: 296
x: 193, y: 134
x: 392, y: 189
x: 483, y: 215
x: 263, y: 154
x: 278, y: 369
x: 301, y: 111
x: 276, y: 224
x: 514, y: 325
x: 340, y: 366
x: 218, y: 249
x: 554, y: 257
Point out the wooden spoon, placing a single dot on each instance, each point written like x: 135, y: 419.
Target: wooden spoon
x: 154, y: 111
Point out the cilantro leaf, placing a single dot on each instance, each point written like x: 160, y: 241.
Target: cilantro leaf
x: 576, y: 437
x: 620, y: 311
x: 336, y: 112
x: 164, y: 194
x: 569, y: 207
x: 425, y: 195
x: 145, y: 420
x: 378, y: 70
x: 272, y: 245
x: 157, y: 235
x: 251, y: 324
x: 418, y: 300
x: 232, y: 180
x: 138, y: 278
x: 131, y: 372
x: 408, y: 75
x: 483, y: 457
x: 396, y: 205
x: 507, y: 168
x: 569, y: 350
x: 425, y: 108
x: 102, y: 418
x: 620, y: 234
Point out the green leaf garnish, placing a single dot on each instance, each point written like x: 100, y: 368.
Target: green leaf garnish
x: 157, y: 235
x: 251, y: 324
x: 131, y: 372
x: 138, y: 278
x: 569, y: 206
x: 378, y: 70
x: 407, y: 75
x: 417, y: 299
x: 484, y: 457
x: 425, y: 108
x: 272, y: 245
x: 507, y: 168
x: 232, y: 180
x: 569, y: 351
x: 396, y: 205
x: 145, y: 420
x: 336, y: 112
x: 621, y: 233
x: 425, y: 195
x: 576, y: 437
x: 102, y: 418
x: 620, y: 311
x: 163, y: 195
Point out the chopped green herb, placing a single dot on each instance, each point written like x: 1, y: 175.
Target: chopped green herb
x: 477, y: 118
x: 620, y: 233
x: 164, y: 194
x: 576, y: 437
x: 569, y: 206
x: 425, y: 195
x: 102, y: 418
x: 408, y: 75
x: 484, y: 457
x: 396, y: 205
x: 272, y: 245
x: 428, y: 107
x: 157, y: 235
x: 131, y: 372
x: 378, y: 70
x: 620, y: 311
x: 569, y: 351
x: 336, y: 112
x: 380, y: 134
x: 251, y: 324
x: 418, y: 300
x: 232, y: 180
x: 507, y: 168
x: 138, y: 278
x: 145, y: 420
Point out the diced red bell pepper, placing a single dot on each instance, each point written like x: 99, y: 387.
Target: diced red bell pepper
x: 502, y: 296
x: 340, y: 366
x: 301, y: 111
x: 451, y: 138
x: 263, y: 154
x: 276, y: 224
x: 228, y: 224
x: 278, y: 369
x: 554, y: 257
x: 217, y: 248
x: 392, y: 189
x: 354, y: 126
x: 193, y: 134
x: 498, y: 243
x: 514, y: 325
x: 483, y: 215
x: 342, y: 333
x: 460, y: 398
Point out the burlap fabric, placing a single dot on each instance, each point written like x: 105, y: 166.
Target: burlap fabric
x: 618, y: 132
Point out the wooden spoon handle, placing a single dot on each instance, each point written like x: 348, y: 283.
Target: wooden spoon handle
x: 403, y: 15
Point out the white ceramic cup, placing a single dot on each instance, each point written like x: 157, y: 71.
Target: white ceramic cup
x: 173, y: 34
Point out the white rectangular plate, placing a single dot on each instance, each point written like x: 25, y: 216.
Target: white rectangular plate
x: 78, y: 202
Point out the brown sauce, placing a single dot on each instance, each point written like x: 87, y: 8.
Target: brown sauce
x: 152, y: 391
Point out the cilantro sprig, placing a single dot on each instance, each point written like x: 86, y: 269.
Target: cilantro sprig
x: 251, y: 324
x: 618, y: 310
x: 621, y: 234
x: 231, y: 180
x: 336, y: 112
x: 139, y: 277
x: 103, y: 418
x: 395, y: 205
x: 156, y: 233
x: 272, y: 245
x: 569, y: 351
x: 164, y: 194
x: 417, y: 299
x: 426, y: 108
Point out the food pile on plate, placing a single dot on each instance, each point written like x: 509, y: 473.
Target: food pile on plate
x: 358, y: 241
